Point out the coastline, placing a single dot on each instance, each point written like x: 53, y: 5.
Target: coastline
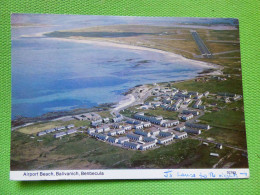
x: 128, y: 98
x: 204, y: 65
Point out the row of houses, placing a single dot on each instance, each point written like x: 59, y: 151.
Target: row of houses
x: 106, y: 129
x: 61, y: 134
x: 55, y: 129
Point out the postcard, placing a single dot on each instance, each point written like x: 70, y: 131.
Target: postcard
x: 122, y: 97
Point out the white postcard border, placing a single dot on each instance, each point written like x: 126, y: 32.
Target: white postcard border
x: 103, y: 174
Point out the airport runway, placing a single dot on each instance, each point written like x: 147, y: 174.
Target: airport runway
x: 202, y: 47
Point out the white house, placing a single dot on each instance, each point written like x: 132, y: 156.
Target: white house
x: 164, y: 129
x: 187, y: 117
x: 155, y: 131
x: 194, y: 112
x: 70, y: 126
x: 149, y: 139
x: 147, y: 124
x: 105, y: 120
x: 131, y: 145
x: 91, y: 130
x: 199, y: 96
x: 168, y: 123
x: 71, y: 131
x: 102, y: 137
x: 61, y: 134
x: 180, y: 135
x: 198, y: 126
x: 180, y: 127
x: 50, y: 130
x: 120, y: 131
x: 143, y: 133
x: 165, y: 140
x: 112, y: 133
x: 147, y: 145
x: 41, y: 133
x: 99, y: 130
x: 127, y: 127
x: 214, y: 154
x: 197, y: 103
x: 206, y: 93
x: 134, y: 137
x: 139, y: 126
x: 60, y: 128
x: 121, y: 140
x: 112, y: 140
x: 106, y: 128
x: 116, y: 125
x: 193, y: 131
x: 165, y: 134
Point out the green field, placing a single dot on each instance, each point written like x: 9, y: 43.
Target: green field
x: 82, y: 152
x: 231, y: 85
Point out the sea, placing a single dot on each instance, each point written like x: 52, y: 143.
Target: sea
x: 50, y: 75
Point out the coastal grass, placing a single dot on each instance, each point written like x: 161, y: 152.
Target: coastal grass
x: 229, y: 119
x: 231, y: 85
x: 166, y: 114
x: 188, y: 153
x: 105, y: 114
x: 228, y: 125
x: 171, y: 39
x: 51, y: 153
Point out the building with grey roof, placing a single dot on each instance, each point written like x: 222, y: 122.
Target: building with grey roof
x: 127, y: 127
x: 112, y: 139
x: 120, y: 131
x: 50, y: 130
x: 41, y: 133
x: 143, y: 133
x: 99, y: 130
x: 147, y: 146
x: 60, y: 128
x: 71, y: 131
x: 121, y: 140
x: 165, y: 134
x: 70, y: 126
x: 165, y: 140
x: 149, y: 139
x: 91, y: 130
x: 60, y: 134
x: 134, y: 137
x: 192, y: 131
x: 112, y: 133
x: 194, y: 112
x: 198, y: 126
x: 131, y: 145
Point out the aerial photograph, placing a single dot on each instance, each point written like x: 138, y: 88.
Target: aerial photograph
x: 124, y: 92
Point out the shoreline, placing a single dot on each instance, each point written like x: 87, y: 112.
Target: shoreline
x: 128, y: 98
x: 197, y: 63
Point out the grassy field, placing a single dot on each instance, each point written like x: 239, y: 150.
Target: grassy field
x: 156, y: 112
x: 231, y: 85
x: 228, y: 125
x: 173, y: 39
x: 51, y: 153
x: 187, y: 153
x: 82, y: 152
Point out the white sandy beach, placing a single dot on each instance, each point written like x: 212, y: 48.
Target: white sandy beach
x: 134, y: 47
x: 127, y: 101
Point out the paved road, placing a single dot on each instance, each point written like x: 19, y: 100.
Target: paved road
x: 202, y: 47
